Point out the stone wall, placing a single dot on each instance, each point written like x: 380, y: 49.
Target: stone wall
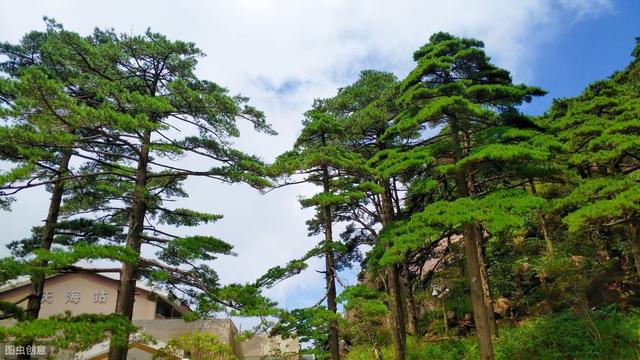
x: 260, y: 346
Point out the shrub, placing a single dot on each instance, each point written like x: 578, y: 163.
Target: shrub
x: 605, y: 335
x: 195, y: 346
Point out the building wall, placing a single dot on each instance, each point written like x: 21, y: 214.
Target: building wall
x: 257, y: 348
x: 82, y: 293
x: 261, y: 346
x: 138, y: 354
x: 165, y: 329
x: 89, y: 293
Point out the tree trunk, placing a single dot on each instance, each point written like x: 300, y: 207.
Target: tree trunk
x: 411, y: 327
x: 480, y: 313
x: 470, y: 234
x: 543, y: 222
x: 34, y: 303
x: 330, y: 275
x: 634, y: 237
x: 545, y: 233
x: 46, y: 240
x: 393, y: 274
x: 484, y: 275
x: 445, y: 318
x: 397, y: 313
x: 486, y: 286
x: 129, y: 274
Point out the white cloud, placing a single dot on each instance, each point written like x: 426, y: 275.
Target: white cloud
x: 308, y: 48
x: 591, y: 8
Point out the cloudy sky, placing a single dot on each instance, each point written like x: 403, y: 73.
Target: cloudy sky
x: 283, y: 54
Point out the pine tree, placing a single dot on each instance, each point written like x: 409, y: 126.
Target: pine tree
x: 454, y: 86
x: 151, y: 88
x: 44, y: 122
x: 368, y: 108
x: 143, y: 87
x: 600, y: 130
x: 320, y: 158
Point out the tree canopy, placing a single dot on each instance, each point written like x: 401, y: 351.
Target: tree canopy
x: 478, y: 231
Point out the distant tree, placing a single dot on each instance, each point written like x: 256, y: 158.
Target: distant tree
x: 318, y: 156
x: 352, y: 122
x: 361, y: 194
x: 367, y: 108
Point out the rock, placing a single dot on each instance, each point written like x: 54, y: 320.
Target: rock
x: 450, y: 314
x: 540, y: 308
x: 577, y: 260
x: 501, y: 305
x: 602, y: 256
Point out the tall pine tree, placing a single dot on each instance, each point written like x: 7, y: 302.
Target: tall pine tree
x: 455, y: 86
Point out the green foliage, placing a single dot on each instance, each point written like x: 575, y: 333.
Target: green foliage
x: 279, y: 273
x: 195, y: 247
x: 310, y: 325
x: 186, y: 217
x: 566, y: 336
x: 601, y: 130
x: 69, y: 332
x: 499, y: 212
x: 367, y: 311
x: 404, y: 165
x: 60, y: 259
x: 196, y: 346
x: 560, y: 336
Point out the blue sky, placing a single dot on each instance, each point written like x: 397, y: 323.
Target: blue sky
x: 585, y: 51
x: 284, y: 53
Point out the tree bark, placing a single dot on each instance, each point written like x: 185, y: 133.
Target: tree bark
x: 634, y: 237
x: 411, y: 327
x: 545, y: 233
x: 486, y: 286
x: 484, y: 275
x: 330, y: 275
x: 470, y: 234
x: 46, y: 240
x: 543, y: 222
x: 480, y: 313
x: 129, y: 274
x: 34, y: 303
x: 393, y: 274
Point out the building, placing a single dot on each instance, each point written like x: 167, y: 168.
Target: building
x: 155, y: 313
x: 82, y: 293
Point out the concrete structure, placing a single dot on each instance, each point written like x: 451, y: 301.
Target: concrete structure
x: 164, y: 330
x: 261, y: 346
x: 89, y: 293
x: 155, y: 313
x: 137, y: 351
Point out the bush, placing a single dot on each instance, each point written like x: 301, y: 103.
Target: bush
x: 607, y: 335
x: 565, y: 336
x: 195, y: 346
